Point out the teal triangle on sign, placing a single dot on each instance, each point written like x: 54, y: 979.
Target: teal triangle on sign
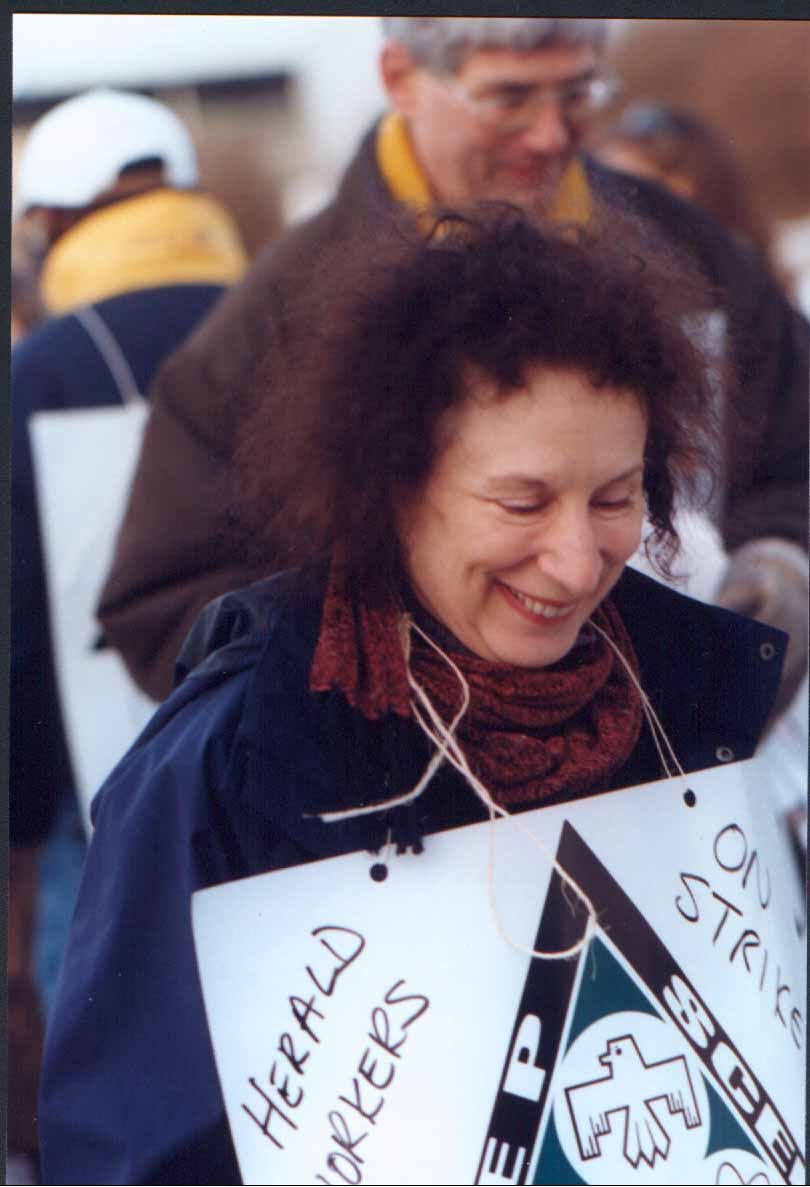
x: 552, y: 1165
x: 605, y: 988
x: 725, y: 1131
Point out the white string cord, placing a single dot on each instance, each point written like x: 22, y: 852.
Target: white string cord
x: 458, y: 759
x: 441, y: 745
x: 389, y: 843
x: 653, y: 721
x: 447, y: 747
x: 443, y: 738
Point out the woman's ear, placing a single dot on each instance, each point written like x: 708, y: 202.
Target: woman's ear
x: 399, y: 74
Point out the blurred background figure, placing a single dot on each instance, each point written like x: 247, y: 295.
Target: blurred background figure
x: 682, y: 152
x: 132, y: 256
x: 749, y: 82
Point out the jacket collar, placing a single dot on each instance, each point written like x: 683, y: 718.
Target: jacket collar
x: 408, y: 184
x: 159, y: 238
x: 309, y: 753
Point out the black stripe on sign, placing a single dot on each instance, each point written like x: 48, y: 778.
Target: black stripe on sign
x: 534, y: 1044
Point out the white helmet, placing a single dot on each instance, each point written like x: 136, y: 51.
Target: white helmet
x: 78, y: 148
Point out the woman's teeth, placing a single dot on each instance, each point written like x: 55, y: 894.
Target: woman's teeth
x: 544, y: 609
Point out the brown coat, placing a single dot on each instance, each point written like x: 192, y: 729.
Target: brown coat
x: 177, y: 550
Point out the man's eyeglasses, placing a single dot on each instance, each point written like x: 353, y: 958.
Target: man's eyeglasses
x: 511, y: 107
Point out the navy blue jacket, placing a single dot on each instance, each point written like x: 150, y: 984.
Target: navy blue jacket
x: 58, y: 366
x: 218, y: 787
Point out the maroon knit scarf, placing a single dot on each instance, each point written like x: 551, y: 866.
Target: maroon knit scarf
x: 528, y: 734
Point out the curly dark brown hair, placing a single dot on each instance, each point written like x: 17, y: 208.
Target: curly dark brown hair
x: 394, y: 329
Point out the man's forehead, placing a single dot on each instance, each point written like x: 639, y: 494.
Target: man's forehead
x: 551, y: 64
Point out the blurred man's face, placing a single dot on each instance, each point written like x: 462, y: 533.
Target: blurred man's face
x: 505, y: 126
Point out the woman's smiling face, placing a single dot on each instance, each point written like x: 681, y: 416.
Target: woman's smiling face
x: 533, y: 507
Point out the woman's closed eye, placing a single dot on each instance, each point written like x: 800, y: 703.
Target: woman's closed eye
x: 521, y: 506
x: 620, y: 503
x: 527, y: 507
x: 614, y: 503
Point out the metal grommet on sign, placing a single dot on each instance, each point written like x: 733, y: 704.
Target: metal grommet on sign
x: 767, y: 651
x: 724, y: 753
x: 689, y: 798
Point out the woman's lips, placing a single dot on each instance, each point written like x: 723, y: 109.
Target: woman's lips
x: 536, y: 609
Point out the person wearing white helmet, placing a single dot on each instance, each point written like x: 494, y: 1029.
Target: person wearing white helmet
x: 85, y: 157
x: 114, y: 128
x: 106, y: 189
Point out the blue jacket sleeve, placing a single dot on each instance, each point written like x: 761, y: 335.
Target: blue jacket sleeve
x: 129, y: 1089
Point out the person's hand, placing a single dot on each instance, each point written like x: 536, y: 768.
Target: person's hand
x: 768, y: 580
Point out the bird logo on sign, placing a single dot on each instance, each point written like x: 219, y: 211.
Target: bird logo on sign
x: 630, y: 1087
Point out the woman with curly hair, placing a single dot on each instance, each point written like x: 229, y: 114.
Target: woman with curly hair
x: 459, y: 476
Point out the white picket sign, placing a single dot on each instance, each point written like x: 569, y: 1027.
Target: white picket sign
x: 385, y: 1032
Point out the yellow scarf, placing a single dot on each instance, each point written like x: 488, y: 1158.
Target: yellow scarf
x: 407, y: 183
x: 159, y: 238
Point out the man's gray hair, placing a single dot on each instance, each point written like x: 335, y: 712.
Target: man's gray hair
x: 442, y: 43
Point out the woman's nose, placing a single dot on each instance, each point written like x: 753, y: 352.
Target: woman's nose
x: 569, y: 555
